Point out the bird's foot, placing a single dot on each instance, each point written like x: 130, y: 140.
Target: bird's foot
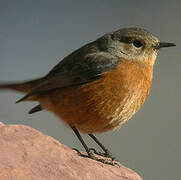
x: 91, y: 156
x: 107, y: 154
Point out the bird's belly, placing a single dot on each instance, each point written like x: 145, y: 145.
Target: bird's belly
x: 99, y: 106
x: 93, y: 110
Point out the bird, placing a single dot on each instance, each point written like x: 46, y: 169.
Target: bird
x: 98, y: 87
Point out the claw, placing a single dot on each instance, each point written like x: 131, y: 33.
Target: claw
x: 91, y: 156
x: 107, y: 154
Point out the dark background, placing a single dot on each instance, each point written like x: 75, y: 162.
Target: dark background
x: 36, y: 34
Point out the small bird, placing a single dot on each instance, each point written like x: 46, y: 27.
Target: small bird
x: 98, y: 87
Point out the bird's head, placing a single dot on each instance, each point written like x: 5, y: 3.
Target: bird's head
x: 133, y: 44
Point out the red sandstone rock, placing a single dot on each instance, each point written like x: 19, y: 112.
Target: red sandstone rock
x: 27, y: 154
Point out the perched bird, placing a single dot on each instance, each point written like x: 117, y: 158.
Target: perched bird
x: 98, y: 87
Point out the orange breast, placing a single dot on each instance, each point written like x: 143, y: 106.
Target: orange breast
x: 104, y: 104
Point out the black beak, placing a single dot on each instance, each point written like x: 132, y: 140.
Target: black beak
x: 164, y: 44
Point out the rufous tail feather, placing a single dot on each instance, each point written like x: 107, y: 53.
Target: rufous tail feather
x: 23, y: 87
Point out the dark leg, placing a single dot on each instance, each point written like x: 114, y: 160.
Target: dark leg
x: 80, y: 139
x: 90, y: 154
x: 107, y: 152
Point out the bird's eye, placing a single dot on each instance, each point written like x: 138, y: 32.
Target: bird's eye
x: 137, y: 44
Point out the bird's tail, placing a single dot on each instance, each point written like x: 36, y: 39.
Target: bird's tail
x: 23, y: 87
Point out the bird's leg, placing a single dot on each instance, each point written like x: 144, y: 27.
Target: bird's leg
x: 81, y: 140
x: 89, y: 153
x: 106, y: 153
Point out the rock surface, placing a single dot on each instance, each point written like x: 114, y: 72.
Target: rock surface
x: 27, y: 154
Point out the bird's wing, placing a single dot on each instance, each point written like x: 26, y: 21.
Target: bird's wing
x: 82, y: 66
x: 35, y: 109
